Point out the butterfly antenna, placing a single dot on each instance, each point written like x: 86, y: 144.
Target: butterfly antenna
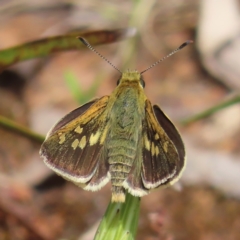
x: 85, y: 42
x: 173, y: 52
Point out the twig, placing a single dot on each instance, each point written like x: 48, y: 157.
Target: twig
x: 17, y: 128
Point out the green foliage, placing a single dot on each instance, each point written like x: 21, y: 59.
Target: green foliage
x: 80, y: 95
x: 120, y: 220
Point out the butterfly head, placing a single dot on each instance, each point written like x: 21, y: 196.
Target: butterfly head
x: 131, y: 76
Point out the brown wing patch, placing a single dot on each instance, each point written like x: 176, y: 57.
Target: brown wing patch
x: 160, y: 157
x: 73, y: 148
x: 173, y: 134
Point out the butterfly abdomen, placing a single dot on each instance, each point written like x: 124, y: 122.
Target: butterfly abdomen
x: 120, y: 158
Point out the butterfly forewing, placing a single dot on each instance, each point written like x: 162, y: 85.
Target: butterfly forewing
x: 176, y: 139
x: 160, y: 156
x: 172, y: 133
x: 74, y: 147
x: 70, y: 116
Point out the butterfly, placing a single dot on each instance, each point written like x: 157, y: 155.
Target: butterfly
x: 121, y: 138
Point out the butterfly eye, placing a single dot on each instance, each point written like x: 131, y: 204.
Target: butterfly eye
x: 142, y: 82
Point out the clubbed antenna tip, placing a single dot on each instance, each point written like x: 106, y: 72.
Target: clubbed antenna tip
x: 185, y: 44
x: 173, y: 52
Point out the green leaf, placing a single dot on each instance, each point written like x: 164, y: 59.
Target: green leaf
x: 46, y: 46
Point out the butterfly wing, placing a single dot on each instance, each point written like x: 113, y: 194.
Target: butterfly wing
x: 174, y: 136
x: 74, y: 147
x: 134, y: 183
x: 163, y: 149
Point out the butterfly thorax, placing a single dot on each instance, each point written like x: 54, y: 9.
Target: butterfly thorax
x: 125, y: 119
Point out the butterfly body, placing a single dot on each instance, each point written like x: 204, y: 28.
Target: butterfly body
x: 121, y: 138
x: 125, y: 119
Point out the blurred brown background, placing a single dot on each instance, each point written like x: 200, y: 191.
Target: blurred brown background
x: 204, y: 205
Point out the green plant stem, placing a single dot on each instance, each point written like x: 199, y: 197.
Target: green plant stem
x: 230, y: 101
x: 120, y: 220
x: 17, y: 128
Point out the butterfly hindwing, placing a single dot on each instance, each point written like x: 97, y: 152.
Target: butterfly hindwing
x: 160, y: 156
x: 134, y: 183
x: 74, y: 147
x: 101, y: 176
